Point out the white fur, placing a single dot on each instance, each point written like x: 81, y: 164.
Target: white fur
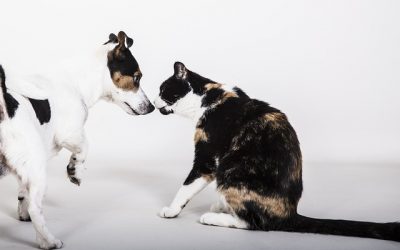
x: 160, y: 103
x: 188, y: 106
x: 185, y: 193
x: 28, y: 146
x: 221, y: 206
x: 223, y: 220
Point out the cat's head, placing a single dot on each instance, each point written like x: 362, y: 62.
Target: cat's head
x: 178, y: 95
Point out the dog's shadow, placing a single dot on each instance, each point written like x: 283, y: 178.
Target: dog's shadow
x: 153, y: 180
x: 10, y: 236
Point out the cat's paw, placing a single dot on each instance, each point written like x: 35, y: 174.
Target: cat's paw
x: 208, y: 218
x: 47, y: 245
x: 168, y: 212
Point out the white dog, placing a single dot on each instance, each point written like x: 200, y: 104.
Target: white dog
x: 44, y: 116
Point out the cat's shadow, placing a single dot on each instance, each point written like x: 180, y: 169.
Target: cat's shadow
x: 162, y: 184
x: 156, y: 183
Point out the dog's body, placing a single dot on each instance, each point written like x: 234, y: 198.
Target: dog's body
x: 252, y: 152
x: 36, y: 124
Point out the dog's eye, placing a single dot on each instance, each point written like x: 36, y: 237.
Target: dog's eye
x: 136, y: 79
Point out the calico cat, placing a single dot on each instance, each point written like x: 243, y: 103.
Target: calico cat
x: 253, y: 153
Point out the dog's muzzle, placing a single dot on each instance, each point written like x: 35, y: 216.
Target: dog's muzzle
x: 150, y: 108
x: 142, y: 110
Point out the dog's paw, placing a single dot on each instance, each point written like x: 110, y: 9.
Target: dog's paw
x: 25, y: 219
x: 54, y: 244
x: 168, y: 212
x: 75, y: 180
x: 73, y: 175
x: 23, y: 214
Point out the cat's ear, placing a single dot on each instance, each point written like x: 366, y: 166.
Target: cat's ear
x: 180, y: 70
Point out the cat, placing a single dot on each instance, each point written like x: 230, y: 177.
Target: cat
x: 252, y: 152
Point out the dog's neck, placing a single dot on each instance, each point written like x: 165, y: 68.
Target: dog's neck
x: 95, y: 78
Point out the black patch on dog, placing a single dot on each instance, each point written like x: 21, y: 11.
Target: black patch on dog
x: 42, y: 110
x: 11, y: 104
x: 3, y: 80
x: 122, y: 60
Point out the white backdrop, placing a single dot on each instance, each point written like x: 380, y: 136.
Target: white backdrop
x: 332, y: 66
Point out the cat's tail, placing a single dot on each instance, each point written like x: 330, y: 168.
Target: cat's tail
x: 303, y: 224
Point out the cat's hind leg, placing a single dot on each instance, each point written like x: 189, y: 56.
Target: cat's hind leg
x: 220, y: 206
x: 223, y: 220
x: 223, y: 215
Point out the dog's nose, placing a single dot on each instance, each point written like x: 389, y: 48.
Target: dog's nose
x: 150, y: 108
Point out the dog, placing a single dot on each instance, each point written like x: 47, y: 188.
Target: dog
x: 33, y: 129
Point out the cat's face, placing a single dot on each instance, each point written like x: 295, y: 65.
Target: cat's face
x: 177, y: 96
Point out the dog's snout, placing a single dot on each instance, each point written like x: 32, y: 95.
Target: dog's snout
x: 150, y: 108
x: 146, y: 108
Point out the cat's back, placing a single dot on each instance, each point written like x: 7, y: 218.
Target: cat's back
x: 265, y: 131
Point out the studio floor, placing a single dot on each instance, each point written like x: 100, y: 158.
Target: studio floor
x: 116, y: 208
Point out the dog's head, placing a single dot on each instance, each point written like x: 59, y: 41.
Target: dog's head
x: 178, y: 95
x: 125, y: 90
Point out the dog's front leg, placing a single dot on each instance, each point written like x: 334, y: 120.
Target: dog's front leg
x: 78, y: 146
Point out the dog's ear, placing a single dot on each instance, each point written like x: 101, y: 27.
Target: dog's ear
x: 124, y: 41
x: 180, y: 70
x: 129, y: 42
x: 112, y: 38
